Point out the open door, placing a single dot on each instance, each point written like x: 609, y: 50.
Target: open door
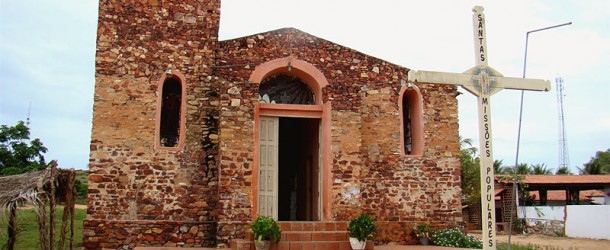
x: 299, y: 169
x: 268, y: 167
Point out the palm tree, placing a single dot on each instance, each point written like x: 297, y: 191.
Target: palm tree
x: 522, y: 169
x: 498, y: 169
x: 470, y: 173
x: 540, y: 169
x: 470, y: 149
x: 563, y: 171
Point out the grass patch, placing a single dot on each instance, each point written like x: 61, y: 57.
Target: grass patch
x: 81, y: 185
x: 27, y: 238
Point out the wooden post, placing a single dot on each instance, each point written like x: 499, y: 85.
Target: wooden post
x: 68, y: 211
x: 52, y: 207
x: 12, y: 226
x: 42, y: 223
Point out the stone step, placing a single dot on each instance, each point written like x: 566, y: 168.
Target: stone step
x: 295, y: 245
x: 242, y: 244
x: 308, y: 235
x: 305, y: 235
x: 313, y: 225
x: 312, y: 245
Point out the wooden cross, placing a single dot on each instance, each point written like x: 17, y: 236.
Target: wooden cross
x: 482, y: 81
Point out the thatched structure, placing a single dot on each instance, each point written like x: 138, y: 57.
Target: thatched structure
x: 34, y: 189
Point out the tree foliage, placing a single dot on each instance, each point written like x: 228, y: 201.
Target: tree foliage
x: 563, y: 171
x: 540, y: 169
x: 470, y: 173
x: 498, y: 168
x: 19, y: 154
x: 522, y: 169
x: 600, y: 164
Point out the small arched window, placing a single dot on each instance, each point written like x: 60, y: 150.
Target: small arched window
x: 170, y: 112
x: 410, y: 103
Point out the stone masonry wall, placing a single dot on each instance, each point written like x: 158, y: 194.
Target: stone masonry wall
x: 369, y: 174
x: 201, y: 195
x: 135, y: 187
x: 237, y: 137
x: 404, y: 190
x: 127, y: 234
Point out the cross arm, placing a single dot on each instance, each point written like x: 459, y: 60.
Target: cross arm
x: 465, y: 80
x: 523, y: 83
x: 439, y: 77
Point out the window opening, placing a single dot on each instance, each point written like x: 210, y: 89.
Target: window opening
x: 171, y: 101
x: 285, y: 89
x: 407, y: 129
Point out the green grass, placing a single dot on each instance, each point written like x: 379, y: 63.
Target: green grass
x: 83, y: 177
x: 27, y: 238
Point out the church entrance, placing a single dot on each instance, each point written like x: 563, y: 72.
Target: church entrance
x: 298, y: 169
x: 289, y: 168
x: 292, y: 174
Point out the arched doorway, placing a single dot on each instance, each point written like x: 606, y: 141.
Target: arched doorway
x: 292, y: 127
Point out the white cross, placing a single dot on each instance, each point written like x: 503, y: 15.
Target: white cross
x: 482, y: 81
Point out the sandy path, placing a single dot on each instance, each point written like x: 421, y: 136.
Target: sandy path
x: 555, y: 242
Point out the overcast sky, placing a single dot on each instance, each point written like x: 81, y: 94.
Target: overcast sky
x: 47, y: 58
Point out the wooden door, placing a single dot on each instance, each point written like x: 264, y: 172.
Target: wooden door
x: 268, y: 167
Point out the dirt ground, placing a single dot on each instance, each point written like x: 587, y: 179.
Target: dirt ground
x: 544, y: 241
x: 552, y: 242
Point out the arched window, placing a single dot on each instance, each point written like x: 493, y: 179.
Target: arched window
x: 411, y: 120
x: 285, y: 89
x: 171, y: 112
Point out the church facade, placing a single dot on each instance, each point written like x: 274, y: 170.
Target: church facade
x: 193, y: 137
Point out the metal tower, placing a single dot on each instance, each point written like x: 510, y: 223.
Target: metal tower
x: 564, y: 157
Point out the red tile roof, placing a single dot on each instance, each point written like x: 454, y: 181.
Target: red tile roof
x: 497, y: 193
x: 567, y: 179
x: 560, y: 195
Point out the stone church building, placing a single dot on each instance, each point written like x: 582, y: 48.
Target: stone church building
x: 194, y: 137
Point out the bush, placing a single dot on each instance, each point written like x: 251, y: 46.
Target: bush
x: 454, y: 237
x: 265, y: 228
x: 81, y: 189
x: 361, y: 227
x: 422, y: 230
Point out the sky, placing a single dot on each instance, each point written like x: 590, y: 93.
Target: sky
x: 47, y: 63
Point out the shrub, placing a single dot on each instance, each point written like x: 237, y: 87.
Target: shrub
x: 454, y: 237
x: 361, y: 227
x: 422, y: 230
x: 265, y: 228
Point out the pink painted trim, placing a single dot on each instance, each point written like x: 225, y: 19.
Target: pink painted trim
x: 255, y: 161
x: 316, y: 81
x: 181, y: 137
x: 291, y: 110
x: 305, y: 71
x: 416, y: 109
x: 325, y: 149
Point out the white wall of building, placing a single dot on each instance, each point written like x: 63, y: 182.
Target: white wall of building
x: 542, y: 212
x: 588, y: 221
